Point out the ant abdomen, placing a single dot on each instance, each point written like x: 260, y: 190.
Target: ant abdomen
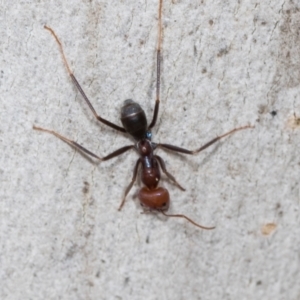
x: 157, y: 199
x: 134, y: 119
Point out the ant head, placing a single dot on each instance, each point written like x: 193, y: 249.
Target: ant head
x: 157, y: 199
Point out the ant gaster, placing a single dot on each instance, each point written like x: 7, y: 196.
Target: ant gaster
x: 152, y: 197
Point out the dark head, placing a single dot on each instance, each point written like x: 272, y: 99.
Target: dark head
x: 134, y: 120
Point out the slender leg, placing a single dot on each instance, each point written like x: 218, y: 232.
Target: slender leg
x: 104, y: 121
x: 185, y: 151
x: 84, y: 150
x: 158, y: 60
x: 170, y: 176
x: 135, y: 170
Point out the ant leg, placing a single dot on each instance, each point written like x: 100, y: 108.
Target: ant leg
x: 84, y: 150
x: 104, y: 121
x: 185, y: 151
x: 131, y: 183
x: 158, y: 61
x: 170, y: 176
x: 188, y: 219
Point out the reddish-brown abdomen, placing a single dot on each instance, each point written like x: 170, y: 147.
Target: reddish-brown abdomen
x: 158, y: 198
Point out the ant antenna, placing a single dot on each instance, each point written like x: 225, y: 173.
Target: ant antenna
x: 188, y: 219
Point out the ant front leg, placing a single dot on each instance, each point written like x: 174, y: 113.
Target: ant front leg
x: 135, y: 171
x: 185, y: 151
x: 76, y: 83
x: 84, y: 150
x: 169, y: 175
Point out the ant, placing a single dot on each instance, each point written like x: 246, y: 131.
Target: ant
x: 151, y: 196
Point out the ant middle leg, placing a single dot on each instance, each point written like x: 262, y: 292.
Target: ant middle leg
x: 76, y: 83
x: 185, y: 151
x: 158, y: 61
x: 84, y: 150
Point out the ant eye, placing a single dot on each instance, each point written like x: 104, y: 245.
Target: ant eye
x: 164, y: 206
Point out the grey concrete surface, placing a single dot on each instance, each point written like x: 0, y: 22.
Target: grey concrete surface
x: 225, y: 64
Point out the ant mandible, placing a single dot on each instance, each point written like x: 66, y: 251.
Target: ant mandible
x: 152, y: 197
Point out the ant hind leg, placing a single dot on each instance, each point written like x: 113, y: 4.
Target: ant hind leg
x: 76, y: 83
x: 158, y: 62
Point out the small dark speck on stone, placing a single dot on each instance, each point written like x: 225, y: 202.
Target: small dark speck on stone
x: 222, y: 52
x: 259, y: 282
x: 85, y: 189
x: 90, y: 283
x: 72, y: 250
x: 273, y: 113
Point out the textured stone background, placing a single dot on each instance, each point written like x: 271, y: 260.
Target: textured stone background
x: 225, y: 64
